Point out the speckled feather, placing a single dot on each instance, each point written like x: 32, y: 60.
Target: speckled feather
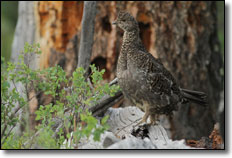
x: 143, y: 79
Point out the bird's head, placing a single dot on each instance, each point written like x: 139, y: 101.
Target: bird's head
x: 126, y: 22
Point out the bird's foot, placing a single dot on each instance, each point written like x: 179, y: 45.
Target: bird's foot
x: 139, y: 123
x: 153, y: 123
x: 144, y: 120
x: 154, y: 120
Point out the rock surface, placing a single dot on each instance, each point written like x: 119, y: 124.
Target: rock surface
x: 123, y: 135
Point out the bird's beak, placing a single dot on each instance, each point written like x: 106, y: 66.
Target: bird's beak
x: 114, y: 23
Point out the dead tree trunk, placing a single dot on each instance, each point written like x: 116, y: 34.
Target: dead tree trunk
x: 25, y: 29
x: 87, y: 34
x: 24, y: 32
x: 187, y: 43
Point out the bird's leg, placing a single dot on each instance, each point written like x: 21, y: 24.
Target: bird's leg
x: 145, y: 117
x: 154, y: 118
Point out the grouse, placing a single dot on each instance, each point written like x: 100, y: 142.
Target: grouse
x: 143, y: 78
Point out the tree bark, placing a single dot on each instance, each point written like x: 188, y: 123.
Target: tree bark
x: 24, y: 32
x: 58, y: 25
x: 87, y: 34
x: 187, y: 44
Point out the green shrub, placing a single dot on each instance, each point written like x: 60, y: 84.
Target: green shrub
x: 70, y: 104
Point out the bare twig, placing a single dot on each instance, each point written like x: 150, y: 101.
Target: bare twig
x: 115, y: 81
x: 90, y: 84
x: 35, y: 135
x: 11, y: 116
x: 15, y: 86
x: 4, y: 139
x: 14, y: 114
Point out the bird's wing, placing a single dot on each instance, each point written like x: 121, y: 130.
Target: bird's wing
x: 161, y: 84
x: 159, y: 79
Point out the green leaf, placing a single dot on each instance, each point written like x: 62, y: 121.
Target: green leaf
x: 104, y: 119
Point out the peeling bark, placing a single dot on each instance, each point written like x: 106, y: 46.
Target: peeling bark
x: 57, y: 24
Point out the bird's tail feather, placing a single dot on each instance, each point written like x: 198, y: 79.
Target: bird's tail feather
x: 195, y: 96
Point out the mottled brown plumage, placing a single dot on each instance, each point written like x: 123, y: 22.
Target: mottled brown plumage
x: 143, y: 79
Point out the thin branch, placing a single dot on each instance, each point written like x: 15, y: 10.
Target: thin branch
x: 35, y: 135
x: 4, y: 139
x: 11, y: 116
x: 14, y: 114
x: 15, y: 87
x: 115, y: 81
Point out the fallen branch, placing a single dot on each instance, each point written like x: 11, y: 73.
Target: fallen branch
x: 105, y: 103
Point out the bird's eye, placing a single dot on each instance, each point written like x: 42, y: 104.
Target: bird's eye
x: 123, y: 20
